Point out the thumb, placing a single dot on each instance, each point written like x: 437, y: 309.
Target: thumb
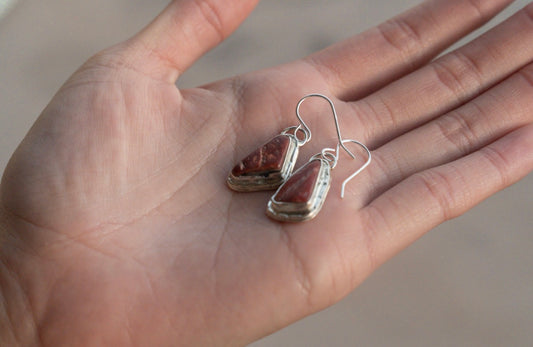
x: 183, y: 32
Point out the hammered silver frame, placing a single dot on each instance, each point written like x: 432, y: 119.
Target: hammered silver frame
x: 273, y: 180
x: 300, y: 212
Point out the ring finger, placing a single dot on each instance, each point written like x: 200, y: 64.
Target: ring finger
x: 458, y: 133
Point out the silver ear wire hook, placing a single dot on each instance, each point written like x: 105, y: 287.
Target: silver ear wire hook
x: 302, y: 196
x: 306, y: 129
x: 358, y: 170
x: 326, y: 155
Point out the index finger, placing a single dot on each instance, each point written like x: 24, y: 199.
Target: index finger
x: 362, y: 64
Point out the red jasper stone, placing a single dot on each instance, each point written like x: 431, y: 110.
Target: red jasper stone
x: 299, y: 187
x: 268, y: 158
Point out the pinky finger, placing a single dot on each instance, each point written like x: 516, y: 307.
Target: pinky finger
x: 404, y: 213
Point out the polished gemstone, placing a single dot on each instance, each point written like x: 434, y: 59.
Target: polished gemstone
x: 301, y: 197
x: 267, y: 167
x: 264, y: 160
x: 300, y: 186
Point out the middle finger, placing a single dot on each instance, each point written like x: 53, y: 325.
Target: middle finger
x: 445, y: 84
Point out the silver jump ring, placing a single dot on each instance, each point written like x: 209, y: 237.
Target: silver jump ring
x: 326, y: 155
x: 295, y: 130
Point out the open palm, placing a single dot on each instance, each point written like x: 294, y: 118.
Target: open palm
x: 118, y: 226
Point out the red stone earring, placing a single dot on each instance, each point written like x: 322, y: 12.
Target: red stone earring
x: 270, y: 165
x: 302, y: 196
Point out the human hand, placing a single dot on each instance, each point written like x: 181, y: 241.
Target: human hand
x: 119, y: 226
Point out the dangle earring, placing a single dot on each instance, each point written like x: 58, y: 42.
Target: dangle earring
x: 269, y: 166
x: 302, y: 196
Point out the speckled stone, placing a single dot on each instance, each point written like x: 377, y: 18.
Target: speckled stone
x: 266, y: 159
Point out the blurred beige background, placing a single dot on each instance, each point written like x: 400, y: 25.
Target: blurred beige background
x: 466, y: 283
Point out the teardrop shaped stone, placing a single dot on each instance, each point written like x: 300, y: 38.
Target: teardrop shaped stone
x: 299, y: 187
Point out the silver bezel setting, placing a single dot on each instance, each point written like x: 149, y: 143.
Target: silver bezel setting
x: 300, y: 212
x: 271, y: 181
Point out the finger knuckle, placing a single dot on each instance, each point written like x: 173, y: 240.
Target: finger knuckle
x: 402, y: 35
x: 460, y: 130
x: 499, y: 162
x: 440, y: 190
x: 211, y: 14
x: 458, y: 73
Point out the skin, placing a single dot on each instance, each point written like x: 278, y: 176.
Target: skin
x: 117, y: 227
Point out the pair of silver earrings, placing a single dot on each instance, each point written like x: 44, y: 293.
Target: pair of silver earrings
x: 300, y: 195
